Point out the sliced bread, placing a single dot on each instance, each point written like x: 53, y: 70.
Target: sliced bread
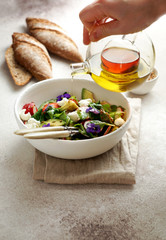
x: 19, y: 74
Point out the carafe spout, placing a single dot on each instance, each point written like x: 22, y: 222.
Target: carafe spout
x: 80, y: 68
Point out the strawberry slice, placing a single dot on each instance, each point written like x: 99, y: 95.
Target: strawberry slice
x: 54, y: 105
x: 30, y: 108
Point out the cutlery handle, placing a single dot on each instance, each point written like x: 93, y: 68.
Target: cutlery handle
x: 45, y: 135
x: 42, y: 129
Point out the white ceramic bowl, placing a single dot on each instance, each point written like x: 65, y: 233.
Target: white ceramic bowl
x: 68, y: 149
x: 147, y: 86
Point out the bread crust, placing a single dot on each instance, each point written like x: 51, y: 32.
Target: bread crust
x: 54, y: 38
x: 19, y: 74
x: 32, y: 55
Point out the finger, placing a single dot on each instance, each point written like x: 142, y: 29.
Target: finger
x: 113, y: 27
x: 86, y: 33
x: 86, y: 39
x: 91, y: 14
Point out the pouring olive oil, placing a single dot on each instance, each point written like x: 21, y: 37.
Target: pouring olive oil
x: 121, y: 65
x: 121, y: 77
x: 128, y: 75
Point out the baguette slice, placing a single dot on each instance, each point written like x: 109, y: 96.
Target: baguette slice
x: 32, y: 55
x: 54, y: 38
x: 18, y: 73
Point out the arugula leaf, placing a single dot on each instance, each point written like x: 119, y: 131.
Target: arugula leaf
x: 37, y: 115
x: 106, y: 117
x: 107, y: 108
x: 81, y: 129
x: 113, y: 108
x: 63, y: 116
x: 100, y: 123
x: 50, y: 113
x: 93, y: 116
x: 95, y: 105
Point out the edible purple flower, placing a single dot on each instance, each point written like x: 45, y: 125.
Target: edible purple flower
x: 46, y: 125
x: 93, y: 110
x: 59, y: 98
x: 65, y: 95
x: 92, y: 128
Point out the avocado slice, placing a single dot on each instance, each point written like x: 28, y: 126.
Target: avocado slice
x: 87, y: 94
x: 53, y: 122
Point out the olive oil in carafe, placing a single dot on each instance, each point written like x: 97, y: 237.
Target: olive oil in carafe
x: 117, y: 82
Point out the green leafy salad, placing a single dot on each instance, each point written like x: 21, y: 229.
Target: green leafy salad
x: 92, y: 118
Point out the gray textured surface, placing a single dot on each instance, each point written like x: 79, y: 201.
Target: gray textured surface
x: 34, y: 210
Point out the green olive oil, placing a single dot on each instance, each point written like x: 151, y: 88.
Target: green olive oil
x: 116, y: 82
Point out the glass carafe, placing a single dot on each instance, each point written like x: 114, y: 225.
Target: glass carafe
x: 118, y: 63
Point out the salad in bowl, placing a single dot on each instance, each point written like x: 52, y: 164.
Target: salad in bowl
x: 101, y: 117
x: 93, y: 118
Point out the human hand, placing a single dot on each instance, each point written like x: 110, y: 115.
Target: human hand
x: 109, y: 17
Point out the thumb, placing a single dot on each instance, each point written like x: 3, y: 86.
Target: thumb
x: 104, y: 30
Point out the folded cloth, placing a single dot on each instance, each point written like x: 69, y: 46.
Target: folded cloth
x: 116, y: 166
